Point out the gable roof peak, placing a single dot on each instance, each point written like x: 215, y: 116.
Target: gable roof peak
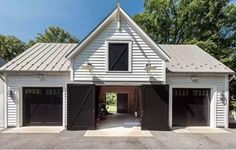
x: 120, y: 12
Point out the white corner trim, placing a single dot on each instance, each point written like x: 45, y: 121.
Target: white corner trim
x: 64, y: 90
x: 226, y: 92
x: 5, y: 102
x: 19, y: 107
x: 71, y: 69
x: 170, y: 106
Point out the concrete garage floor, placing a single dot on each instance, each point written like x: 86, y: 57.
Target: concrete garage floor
x: 118, y: 125
x: 160, y: 140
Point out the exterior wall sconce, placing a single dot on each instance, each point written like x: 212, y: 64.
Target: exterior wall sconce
x: 149, y: 67
x: 88, y: 67
x: 41, y: 77
x: 222, y: 96
x: 12, y: 94
x: 194, y: 79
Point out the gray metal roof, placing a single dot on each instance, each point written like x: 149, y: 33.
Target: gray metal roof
x: 43, y: 57
x: 191, y: 58
x: 2, y: 62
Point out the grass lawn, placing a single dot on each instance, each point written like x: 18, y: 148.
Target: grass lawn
x: 112, y: 109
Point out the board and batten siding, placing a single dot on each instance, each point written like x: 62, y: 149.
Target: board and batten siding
x: 95, y: 53
x: 217, y: 84
x: 16, y: 82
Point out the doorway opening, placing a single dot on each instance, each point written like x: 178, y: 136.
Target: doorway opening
x: 118, y: 106
x: 111, y: 102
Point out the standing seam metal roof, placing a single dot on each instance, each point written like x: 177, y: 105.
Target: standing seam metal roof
x: 192, y: 59
x: 43, y: 57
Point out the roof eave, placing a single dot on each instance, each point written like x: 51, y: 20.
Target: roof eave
x: 200, y: 72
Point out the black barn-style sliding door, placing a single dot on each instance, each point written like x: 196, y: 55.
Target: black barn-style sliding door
x: 155, y: 107
x: 80, y: 107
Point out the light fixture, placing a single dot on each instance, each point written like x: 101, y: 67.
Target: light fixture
x: 194, y: 79
x: 149, y: 67
x: 41, y: 77
x: 88, y: 67
x: 12, y: 94
x: 222, y: 95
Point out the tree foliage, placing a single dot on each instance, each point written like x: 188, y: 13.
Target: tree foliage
x: 210, y: 24
x: 111, y: 99
x: 54, y: 35
x: 10, y: 47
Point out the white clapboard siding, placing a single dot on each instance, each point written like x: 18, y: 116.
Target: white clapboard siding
x: 95, y: 53
x: 205, y: 82
x: 16, y: 82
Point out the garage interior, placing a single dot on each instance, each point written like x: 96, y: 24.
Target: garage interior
x: 126, y: 108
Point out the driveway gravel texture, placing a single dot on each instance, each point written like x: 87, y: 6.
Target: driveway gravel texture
x: 160, y: 140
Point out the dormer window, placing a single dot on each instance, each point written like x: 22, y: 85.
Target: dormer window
x: 119, y: 56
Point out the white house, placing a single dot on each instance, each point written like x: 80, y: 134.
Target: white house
x: 64, y: 84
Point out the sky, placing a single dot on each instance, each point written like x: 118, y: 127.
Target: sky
x: 25, y: 18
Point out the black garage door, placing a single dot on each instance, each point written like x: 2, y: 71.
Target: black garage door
x: 191, y: 107
x: 42, y: 106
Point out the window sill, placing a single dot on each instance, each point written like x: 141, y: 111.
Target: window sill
x: 118, y: 71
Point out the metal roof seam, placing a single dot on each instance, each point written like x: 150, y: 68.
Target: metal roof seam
x: 45, y: 53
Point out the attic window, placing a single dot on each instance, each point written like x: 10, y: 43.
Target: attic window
x: 119, y: 56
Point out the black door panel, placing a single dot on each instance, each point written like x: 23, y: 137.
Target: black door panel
x: 155, y: 107
x: 81, y: 107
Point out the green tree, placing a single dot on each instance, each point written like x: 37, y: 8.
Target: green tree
x: 211, y: 24
x: 54, y: 35
x: 10, y: 47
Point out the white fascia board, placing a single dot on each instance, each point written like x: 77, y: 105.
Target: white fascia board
x: 93, y: 34
x: 162, y: 54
